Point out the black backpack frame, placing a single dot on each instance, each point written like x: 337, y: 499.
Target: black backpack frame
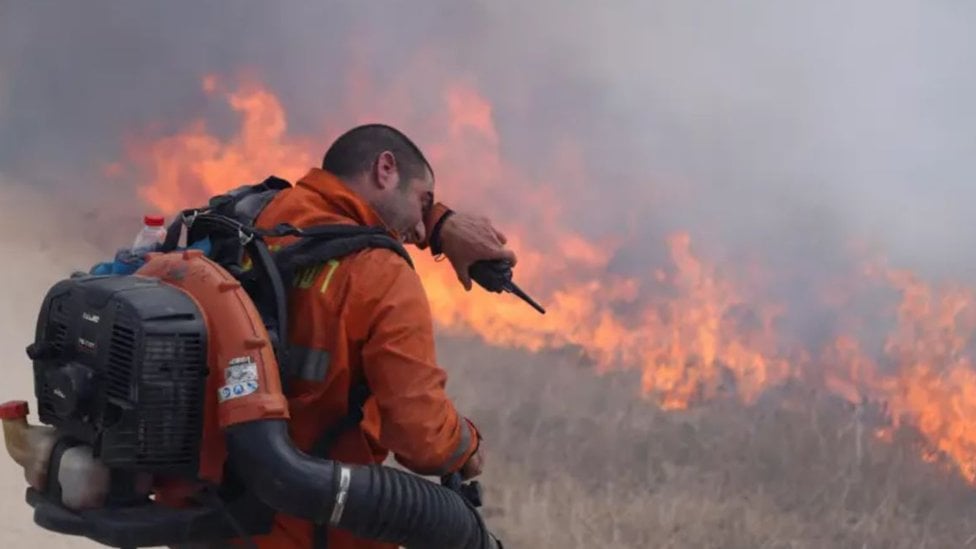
x: 228, y: 221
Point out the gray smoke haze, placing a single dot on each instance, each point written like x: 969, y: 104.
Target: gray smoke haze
x: 778, y: 130
x: 770, y: 129
x: 34, y: 264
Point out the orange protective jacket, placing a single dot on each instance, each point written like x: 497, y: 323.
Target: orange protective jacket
x: 364, y: 317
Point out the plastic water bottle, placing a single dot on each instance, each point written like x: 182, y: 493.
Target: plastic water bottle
x: 129, y: 260
x: 150, y: 237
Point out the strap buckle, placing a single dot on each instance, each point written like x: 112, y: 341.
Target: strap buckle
x: 244, y: 236
x: 189, y: 216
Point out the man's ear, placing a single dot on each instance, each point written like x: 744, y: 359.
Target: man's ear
x: 387, y: 175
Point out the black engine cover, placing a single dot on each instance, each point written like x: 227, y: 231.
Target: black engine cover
x: 120, y: 364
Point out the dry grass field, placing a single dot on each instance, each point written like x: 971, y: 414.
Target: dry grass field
x: 577, y: 461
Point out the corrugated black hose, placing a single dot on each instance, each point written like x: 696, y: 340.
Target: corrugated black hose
x: 372, y: 502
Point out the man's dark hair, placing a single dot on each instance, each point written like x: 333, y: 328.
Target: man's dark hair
x: 355, y: 151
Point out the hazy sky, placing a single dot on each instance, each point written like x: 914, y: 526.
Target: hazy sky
x: 783, y: 129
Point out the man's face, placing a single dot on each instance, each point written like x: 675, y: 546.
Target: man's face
x: 415, y: 200
x: 401, y: 203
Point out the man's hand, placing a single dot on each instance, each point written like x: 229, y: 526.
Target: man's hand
x: 474, y: 465
x: 467, y: 238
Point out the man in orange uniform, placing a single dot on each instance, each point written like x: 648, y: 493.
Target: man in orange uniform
x: 365, y: 319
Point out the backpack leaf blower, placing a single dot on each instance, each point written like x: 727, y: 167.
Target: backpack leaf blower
x: 163, y: 417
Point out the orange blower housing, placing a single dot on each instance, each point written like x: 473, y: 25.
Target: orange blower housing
x: 243, y: 383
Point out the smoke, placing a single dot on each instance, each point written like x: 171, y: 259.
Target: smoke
x: 792, y: 127
x: 791, y: 142
x: 41, y: 247
x: 805, y: 136
x: 756, y: 125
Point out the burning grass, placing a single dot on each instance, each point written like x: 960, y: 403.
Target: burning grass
x: 577, y: 461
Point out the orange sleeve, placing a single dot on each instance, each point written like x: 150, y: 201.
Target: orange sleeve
x: 430, y: 222
x: 419, y: 423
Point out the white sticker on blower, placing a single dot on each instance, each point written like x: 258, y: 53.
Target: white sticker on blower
x: 240, y: 378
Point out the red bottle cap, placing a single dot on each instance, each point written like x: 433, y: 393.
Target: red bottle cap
x: 14, y: 409
x: 154, y: 220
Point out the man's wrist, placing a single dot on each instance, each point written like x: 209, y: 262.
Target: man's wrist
x: 435, y: 233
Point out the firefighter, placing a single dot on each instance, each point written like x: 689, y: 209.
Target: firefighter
x: 362, y: 339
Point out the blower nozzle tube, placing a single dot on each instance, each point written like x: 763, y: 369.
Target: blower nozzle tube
x: 370, y: 501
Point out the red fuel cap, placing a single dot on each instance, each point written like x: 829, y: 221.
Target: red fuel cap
x: 14, y: 409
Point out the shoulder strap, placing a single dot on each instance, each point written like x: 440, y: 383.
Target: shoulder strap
x: 322, y: 243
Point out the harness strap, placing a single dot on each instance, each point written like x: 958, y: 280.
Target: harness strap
x: 359, y: 393
x: 320, y: 244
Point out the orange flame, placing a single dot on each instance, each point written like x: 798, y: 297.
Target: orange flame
x: 190, y: 167
x: 925, y: 376
x: 695, y: 334
x: 934, y: 385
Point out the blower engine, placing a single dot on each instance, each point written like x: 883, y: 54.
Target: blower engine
x: 141, y: 381
x: 129, y: 378
x: 120, y: 375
